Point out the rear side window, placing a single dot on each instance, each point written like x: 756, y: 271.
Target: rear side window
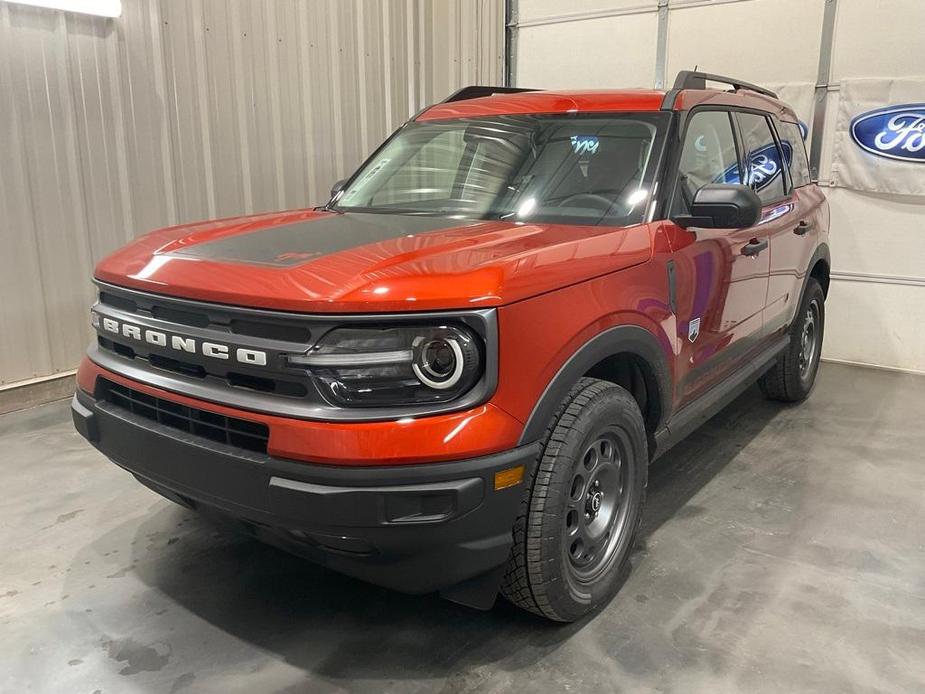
x: 765, y: 170
x: 791, y: 139
x: 708, y: 155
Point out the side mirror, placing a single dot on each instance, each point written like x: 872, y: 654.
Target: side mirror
x: 722, y: 206
x: 338, y: 187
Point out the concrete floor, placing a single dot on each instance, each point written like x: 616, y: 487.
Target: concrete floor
x: 783, y: 550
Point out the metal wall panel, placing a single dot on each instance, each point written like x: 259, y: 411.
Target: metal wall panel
x: 191, y: 109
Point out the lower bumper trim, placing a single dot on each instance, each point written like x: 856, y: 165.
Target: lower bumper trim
x: 414, y: 528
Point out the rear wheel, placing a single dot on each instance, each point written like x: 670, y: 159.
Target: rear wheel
x: 580, y: 515
x: 793, y: 377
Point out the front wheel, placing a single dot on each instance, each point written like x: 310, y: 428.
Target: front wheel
x: 792, y: 378
x: 573, y: 538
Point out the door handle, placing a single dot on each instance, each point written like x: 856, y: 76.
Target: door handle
x: 801, y: 228
x: 754, y: 247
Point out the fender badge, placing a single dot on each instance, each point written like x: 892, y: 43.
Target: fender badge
x: 693, y: 329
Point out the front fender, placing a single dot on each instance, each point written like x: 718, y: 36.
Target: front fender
x: 621, y: 339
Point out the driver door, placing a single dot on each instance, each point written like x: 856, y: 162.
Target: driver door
x: 722, y: 274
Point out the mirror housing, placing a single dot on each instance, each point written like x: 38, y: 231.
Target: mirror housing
x: 722, y: 206
x: 338, y: 187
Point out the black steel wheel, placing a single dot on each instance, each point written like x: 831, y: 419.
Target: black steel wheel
x: 580, y: 516
x: 596, y: 510
x: 809, y: 341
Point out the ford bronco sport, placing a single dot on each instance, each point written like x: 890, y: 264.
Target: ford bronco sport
x: 453, y: 376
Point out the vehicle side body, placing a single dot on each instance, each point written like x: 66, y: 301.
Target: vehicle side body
x: 684, y: 319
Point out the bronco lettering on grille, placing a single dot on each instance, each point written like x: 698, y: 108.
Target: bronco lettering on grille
x: 179, y: 343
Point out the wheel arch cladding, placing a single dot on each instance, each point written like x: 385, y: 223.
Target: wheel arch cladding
x: 820, y: 266
x: 627, y: 355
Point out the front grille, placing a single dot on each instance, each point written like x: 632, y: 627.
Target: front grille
x: 215, y: 427
x: 220, y: 319
x: 234, y: 379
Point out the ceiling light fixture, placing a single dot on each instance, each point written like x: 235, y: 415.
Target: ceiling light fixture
x: 100, y: 8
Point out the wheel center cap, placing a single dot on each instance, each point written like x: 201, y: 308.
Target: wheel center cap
x: 595, y: 500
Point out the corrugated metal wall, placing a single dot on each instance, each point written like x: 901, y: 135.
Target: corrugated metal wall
x: 188, y: 109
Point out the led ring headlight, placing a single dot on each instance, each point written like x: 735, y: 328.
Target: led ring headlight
x: 426, y: 367
x: 393, y: 365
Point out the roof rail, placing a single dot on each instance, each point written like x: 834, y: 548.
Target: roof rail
x: 476, y: 91
x: 689, y: 79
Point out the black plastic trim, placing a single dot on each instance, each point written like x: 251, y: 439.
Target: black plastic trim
x: 672, y: 287
x: 690, y: 79
x: 670, y: 97
x: 414, y: 528
x: 477, y: 91
x: 783, y: 322
x: 823, y: 253
x: 629, y: 339
x: 691, y: 416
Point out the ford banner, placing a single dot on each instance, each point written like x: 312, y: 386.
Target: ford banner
x: 879, y: 138
x: 895, y: 132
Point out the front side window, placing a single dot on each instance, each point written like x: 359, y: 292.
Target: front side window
x: 708, y: 155
x: 545, y: 168
x: 763, y: 161
x: 791, y: 139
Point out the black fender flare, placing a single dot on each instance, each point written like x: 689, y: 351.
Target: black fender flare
x: 822, y: 253
x: 621, y: 339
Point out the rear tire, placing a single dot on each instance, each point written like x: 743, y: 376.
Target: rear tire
x: 792, y: 378
x: 582, y: 508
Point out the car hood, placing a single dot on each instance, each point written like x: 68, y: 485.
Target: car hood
x: 320, y: 261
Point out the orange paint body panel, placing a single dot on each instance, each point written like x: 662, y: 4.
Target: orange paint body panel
x: 483, y: 430
x: 469, y: 266
x: 591, y: 101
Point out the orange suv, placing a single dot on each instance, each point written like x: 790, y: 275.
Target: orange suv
x: 453, y: 376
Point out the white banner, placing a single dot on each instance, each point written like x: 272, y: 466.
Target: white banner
x: 799, y: 95
x: 879, y: 143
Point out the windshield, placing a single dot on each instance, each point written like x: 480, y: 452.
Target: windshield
x: 572, y: 169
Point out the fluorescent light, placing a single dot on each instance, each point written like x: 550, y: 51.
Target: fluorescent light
x: 526, y: 207
x: 636, y: 197
x: 101, y: 8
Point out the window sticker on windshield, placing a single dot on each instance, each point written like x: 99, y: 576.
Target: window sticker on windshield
x: 355, y: 188
x: 585, y: 144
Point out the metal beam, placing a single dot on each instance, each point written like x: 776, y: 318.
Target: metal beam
x: 820, y: 96
x: 510, y: 42
x: 587, y: 15
x: 661, y: 44
x: 879, y: 278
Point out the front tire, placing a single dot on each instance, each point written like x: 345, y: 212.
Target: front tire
x: 792, y: 378
x: 581, y: 512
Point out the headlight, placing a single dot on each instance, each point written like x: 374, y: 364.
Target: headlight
x: 403, y: 365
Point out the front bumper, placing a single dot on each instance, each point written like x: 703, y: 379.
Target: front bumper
x: 412, y: 528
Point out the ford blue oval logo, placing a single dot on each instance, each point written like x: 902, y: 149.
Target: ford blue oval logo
x: 894, y: 132
x: 764, y: 165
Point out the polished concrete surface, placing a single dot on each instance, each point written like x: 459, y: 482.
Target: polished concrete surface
x: 783, y: 550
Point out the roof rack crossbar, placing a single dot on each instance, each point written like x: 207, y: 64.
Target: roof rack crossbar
x: 689, y: 79
x: 476, y: 91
